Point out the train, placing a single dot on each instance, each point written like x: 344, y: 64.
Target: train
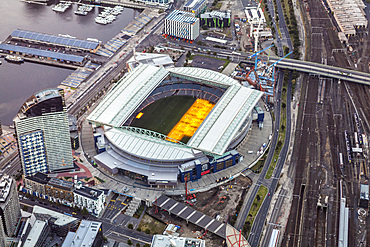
x: 274, y: 240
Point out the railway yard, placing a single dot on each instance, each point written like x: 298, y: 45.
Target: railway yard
x: 333, y: 114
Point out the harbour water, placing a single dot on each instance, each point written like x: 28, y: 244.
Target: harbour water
x: 20, y: 81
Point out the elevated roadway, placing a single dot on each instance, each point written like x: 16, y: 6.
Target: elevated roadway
x: 320, y: 69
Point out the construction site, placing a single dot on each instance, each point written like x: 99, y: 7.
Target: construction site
x: 221, y: 203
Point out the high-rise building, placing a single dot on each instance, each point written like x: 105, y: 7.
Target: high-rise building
x: 43, y: 133
x: 181, y: 24
x: 10, y: 210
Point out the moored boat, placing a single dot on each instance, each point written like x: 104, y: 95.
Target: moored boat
x: 14, y: 59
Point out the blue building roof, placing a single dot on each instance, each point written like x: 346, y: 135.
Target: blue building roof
x: 65, y: 41
x: 182, y: 16
x: 42, y: 53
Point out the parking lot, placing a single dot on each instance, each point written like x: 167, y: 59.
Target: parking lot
x: 207, y: 63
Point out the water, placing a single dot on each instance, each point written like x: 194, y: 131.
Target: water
x: 19, y: 82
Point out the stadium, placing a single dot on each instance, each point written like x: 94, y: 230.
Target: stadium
x: 162, y: 126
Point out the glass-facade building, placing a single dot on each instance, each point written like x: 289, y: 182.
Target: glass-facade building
x: 43, y: 133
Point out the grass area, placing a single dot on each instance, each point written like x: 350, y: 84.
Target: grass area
x: 162, y: 115
x: 154, y: 226
x: 281, y: 137
x: 257, y: 202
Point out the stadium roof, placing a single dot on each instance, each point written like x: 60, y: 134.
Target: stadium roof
x: 54, y: 39
x: 214, y: 135
x: 147, y: 147
x: 225, y: 120
x: 130, y: 92
x: 204, y: 76
x: 181, y: 16
x: 42, y: 53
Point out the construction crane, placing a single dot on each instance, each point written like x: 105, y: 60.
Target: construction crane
x: 272, y: 66
x: 255, y: 55
x: 260, y: 21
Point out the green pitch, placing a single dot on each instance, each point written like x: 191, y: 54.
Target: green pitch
x: 162, y: 115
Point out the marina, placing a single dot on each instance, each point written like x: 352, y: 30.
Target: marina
x: 62, y: 6
x: 19, y: 80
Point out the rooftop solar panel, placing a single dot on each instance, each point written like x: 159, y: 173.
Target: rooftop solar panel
x: 43, y: 53
x: 55, y: 39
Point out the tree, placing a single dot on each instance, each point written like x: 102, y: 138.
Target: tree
x: 258, y: 197
x: 147, y: 231
x: 137, y: 245
x: 283, y: 105
x: 130, y: 226
x: 138, y: 229
x: 188, y: 54
x: 129, y: 242
x: 146, y: 245
x: 84, y: 211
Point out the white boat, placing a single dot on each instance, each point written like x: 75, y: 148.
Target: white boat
x: 80, y: 12
x: 14, y: 59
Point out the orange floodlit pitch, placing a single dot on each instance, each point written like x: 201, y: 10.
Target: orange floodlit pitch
x: 139, y: 115
x: 191, y: 120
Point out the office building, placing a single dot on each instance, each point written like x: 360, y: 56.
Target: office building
x: 43, y: 133
x: 9, y: 205
x: 89, y: 233
x: 195, y: 6
x: 34, y: 232
x: 181, y: 24
x: 217, y: 19
x: 59, y: 223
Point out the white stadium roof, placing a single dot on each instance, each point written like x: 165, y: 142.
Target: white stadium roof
x: 214, y: 135
x: 130, y: 92
x: 148, y: 148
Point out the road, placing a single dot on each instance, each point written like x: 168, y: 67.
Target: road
x: 248, y: 203
x: 260, y: 219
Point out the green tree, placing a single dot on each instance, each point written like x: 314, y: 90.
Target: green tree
x: 130, y: 226
x: 147, y: 231
x: 137, y: 245
x: 138, y: 229
x: 129, y: 242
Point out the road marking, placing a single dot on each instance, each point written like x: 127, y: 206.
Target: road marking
x: 120, y: 234
x: 218, y: 228
x: 209, y: 224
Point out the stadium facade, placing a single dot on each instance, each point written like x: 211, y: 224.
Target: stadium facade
x: 156, y: 158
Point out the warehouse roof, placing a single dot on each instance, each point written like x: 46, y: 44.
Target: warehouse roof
x: 42, y: 53
x: 54, y: 39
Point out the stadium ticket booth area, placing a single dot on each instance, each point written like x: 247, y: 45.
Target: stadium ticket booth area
x: 192, y: 171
